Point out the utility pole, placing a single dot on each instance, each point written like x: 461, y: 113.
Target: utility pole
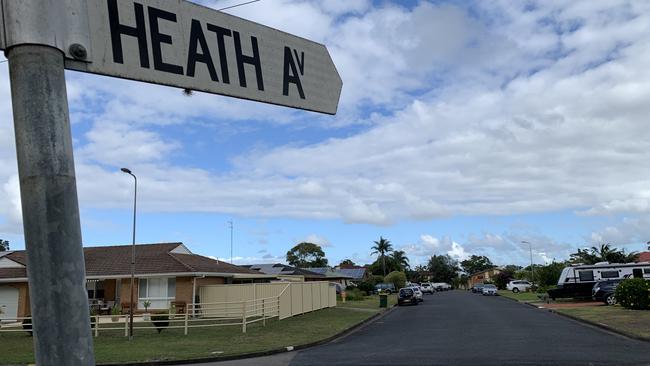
x: 231, y: 228
x: 532, y: 271
x: 56, y: 270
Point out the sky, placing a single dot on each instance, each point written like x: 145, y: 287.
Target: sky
x: 464, y: 127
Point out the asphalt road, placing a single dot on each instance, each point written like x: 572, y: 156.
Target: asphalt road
x: 460, y: 328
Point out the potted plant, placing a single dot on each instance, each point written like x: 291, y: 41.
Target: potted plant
x: 115, y: 313
x: 146, y: 316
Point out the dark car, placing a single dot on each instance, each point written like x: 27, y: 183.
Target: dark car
x: 388, y: 288
x: 407, y: 296
x: 478, y: 288
x: 604, y: 291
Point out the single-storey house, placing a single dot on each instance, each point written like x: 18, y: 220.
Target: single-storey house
x: 356, y: 273
x: 286, y: 273
x: 165, y: 274
x: 332, y: 275
x: 487, y: 275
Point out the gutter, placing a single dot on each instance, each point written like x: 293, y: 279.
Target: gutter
x: 149, y: 275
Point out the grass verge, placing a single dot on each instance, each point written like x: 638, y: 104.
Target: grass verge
x: 631, y: 322
x: 520, y: 296
x: 172, y: 344
x: 369, y: 302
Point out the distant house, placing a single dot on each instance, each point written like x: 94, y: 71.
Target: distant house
x: 165, y: 273
x: 333, y: 275
x: 357, y: 273
x: 286, y: 273
x: 483, y: 276
x: 643, y: 257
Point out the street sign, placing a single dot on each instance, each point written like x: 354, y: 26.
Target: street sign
x: 181, y: 44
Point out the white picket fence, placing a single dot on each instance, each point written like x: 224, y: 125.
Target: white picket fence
x: 221, y: 305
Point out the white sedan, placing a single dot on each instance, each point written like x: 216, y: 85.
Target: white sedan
x: 489, y: 290
x: 418, y: 293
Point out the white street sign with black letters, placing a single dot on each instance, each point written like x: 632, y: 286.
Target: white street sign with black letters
x: 181, y: 44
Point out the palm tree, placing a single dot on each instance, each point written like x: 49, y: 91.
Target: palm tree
x: 400, y: 259
x: 382, y: 247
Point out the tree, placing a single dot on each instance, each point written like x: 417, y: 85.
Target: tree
x: 396, y: 278
x: 305, y: 255
x: 382, y: 247
x: 443, y: 268
x: 347, y: 262
x: 603, y: 253
x: 4, y: 245
x: 476, y: 263
x: 400, y: 260
x: 506, y: 275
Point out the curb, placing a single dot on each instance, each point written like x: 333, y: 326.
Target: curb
x: 586, y: 322
x: 335, y: 337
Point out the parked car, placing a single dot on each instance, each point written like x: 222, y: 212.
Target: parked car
x: 518, y: 286
x: 407, y: 296
x: 388, y: 288
x: 604, y: 291
x: 418, y: 293
x: 477, y: 288
x: 489, y: 290
x: 427, y: 288
x: 442, y: 286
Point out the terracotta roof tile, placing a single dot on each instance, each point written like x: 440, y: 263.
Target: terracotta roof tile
x: 149, y: 259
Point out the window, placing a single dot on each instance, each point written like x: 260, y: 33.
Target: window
x: 609, y: 274
x: 159, y: 291
x: 646, y: 270
x: 586, y: 275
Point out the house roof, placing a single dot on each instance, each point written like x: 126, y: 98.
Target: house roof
x: 283, y: 269
x: 354, y: 273
x: 328, y: 272
x: 485, y: 271
x: 644, y: 257
x: 115, y: 261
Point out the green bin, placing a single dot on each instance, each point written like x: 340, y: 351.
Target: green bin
x: 383, y: 300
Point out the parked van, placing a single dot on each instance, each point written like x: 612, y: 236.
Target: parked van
x: 578, y: 280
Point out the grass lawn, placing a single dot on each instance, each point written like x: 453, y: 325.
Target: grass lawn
x: 520, y: 296
x: 205, y: 342
x: 636, y: 322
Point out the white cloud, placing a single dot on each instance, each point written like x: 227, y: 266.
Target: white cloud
x: 316, y: 239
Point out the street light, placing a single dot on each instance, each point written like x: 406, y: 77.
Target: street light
x: 135, y: 200
x: 532, y: 272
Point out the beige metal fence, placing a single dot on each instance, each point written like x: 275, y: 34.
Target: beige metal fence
x: 221, y: 305
x: 294, y: 298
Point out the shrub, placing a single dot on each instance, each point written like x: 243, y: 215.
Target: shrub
x: 634, y: 293
x: 396, y: 278
x: 375, y: 279
x: 354, y: 294
x: 366, y: 286
x: 27, y: 326
x: 160, y: 321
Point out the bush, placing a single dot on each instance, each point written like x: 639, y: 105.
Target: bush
x: 396, y: 278
x: 160, y: 321
x: 366, y: 286
x: 354, y: 294
x: 27, y: 326
x: 634, y: 293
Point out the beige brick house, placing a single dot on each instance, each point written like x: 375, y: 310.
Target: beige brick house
x: 166, y: 273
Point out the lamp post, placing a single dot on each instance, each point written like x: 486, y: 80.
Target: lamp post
x: 135, y: 201
x: 532, y: 272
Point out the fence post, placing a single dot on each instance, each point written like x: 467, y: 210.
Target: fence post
x: 96, y: 325
x: 186, y: 316
x: 263, y: 314
x: 126, y: 327
x: 243, y: 318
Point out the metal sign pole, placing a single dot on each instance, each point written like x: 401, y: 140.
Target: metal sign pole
x: 56, y: 268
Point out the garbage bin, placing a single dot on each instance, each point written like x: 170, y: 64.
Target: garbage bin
x: 383, y: 300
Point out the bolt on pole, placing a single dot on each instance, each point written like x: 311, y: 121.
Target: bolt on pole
x: 56, y: 269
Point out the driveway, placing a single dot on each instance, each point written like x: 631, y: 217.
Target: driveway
x: 460, y: 328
